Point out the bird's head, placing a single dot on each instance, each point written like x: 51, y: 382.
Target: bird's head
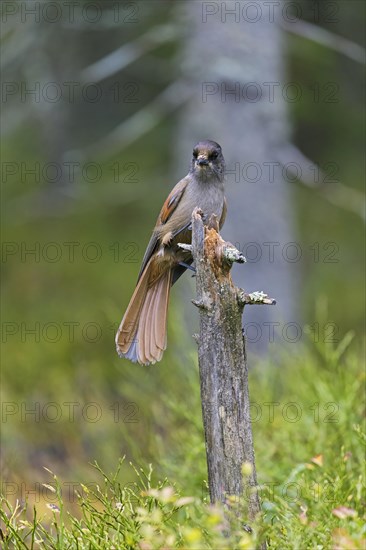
x: 208, y: 161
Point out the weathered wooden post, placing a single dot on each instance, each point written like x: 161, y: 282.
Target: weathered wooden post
x: 223, y: 366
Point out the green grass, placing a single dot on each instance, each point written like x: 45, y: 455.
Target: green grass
x: 306, y: 408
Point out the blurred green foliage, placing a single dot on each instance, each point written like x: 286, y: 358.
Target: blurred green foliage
x: 310, y: 460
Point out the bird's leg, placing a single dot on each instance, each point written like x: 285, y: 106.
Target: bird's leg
x: 187, y: 266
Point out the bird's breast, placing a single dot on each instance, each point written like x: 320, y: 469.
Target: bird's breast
x: 209, y: 197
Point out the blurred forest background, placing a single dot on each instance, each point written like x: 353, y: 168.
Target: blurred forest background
x: 101, y: 106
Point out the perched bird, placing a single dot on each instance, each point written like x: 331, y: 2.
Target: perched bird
x: 142, y: 334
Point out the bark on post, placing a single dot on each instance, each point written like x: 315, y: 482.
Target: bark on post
x: 223, y: 367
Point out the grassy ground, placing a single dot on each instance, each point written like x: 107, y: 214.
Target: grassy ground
x: 307, y: 408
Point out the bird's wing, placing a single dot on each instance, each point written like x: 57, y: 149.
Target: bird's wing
x: 172, y: 201
x: 167, y: 210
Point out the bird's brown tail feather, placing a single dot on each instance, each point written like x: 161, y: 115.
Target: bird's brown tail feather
x: 141, y: 336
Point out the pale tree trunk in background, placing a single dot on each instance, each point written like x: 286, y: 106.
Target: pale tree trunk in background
x: 231, y: 53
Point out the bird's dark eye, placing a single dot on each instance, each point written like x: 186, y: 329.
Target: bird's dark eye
x: 195, y: 154
x: 214, y: 155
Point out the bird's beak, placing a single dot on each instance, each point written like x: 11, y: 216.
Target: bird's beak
x: 202, y: 161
